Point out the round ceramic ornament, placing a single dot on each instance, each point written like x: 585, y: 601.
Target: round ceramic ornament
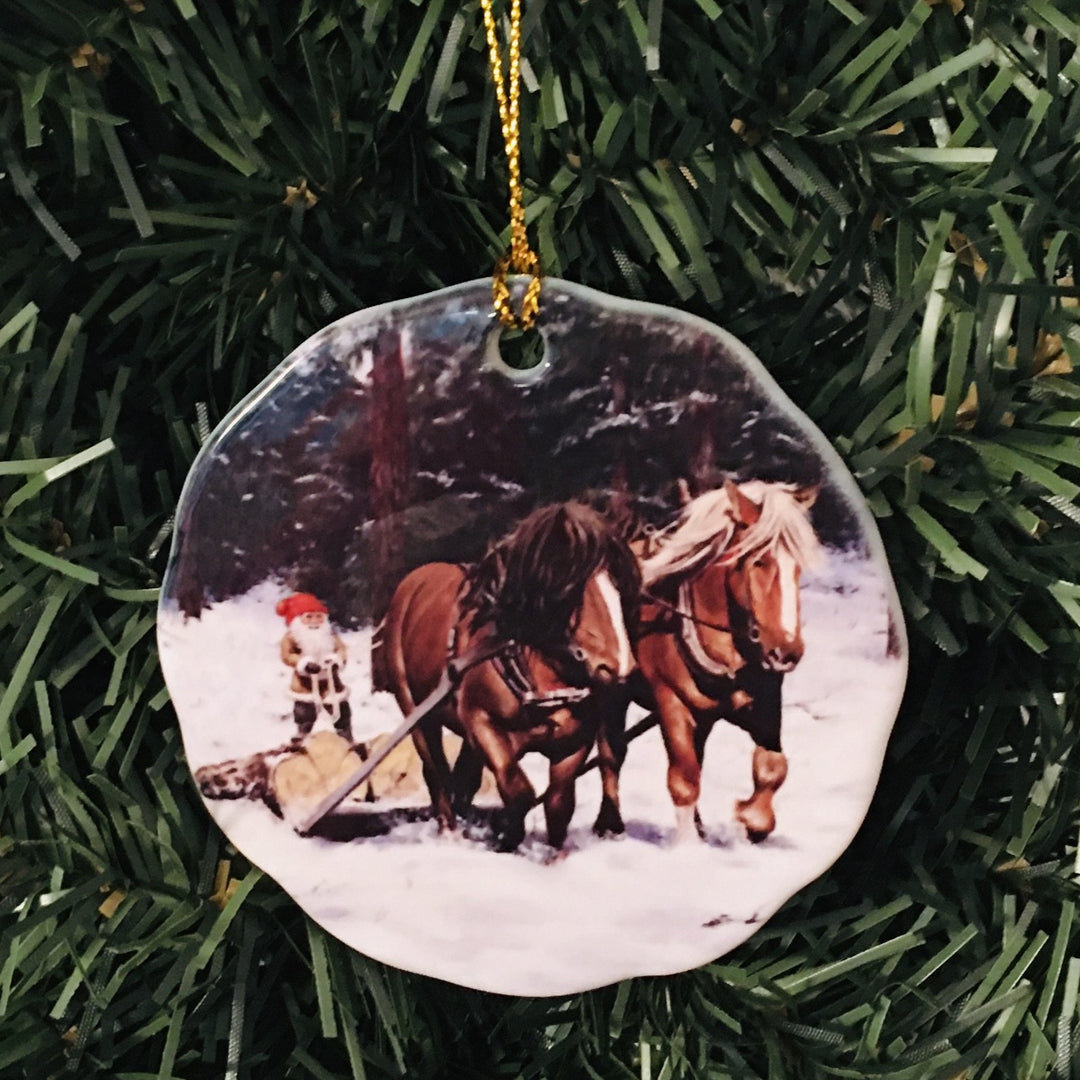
x: 531, y: 680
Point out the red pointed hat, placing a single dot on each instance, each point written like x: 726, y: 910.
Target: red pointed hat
x: 299, y: 604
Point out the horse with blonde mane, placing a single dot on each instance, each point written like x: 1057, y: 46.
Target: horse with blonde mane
x: 720, y: 625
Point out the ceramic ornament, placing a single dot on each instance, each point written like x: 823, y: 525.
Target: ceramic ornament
x: 530, y: 680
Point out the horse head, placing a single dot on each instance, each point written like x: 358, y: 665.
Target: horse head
x: 772, y: 543
x: 600, y: 641
x: 738, y: 552
x: 565, y: 583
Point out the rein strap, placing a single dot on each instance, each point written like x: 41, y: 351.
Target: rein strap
x: 689, y: 615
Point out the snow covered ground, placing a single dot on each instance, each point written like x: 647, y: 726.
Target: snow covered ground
x: 518, y: 924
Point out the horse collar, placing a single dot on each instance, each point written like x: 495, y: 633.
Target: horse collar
x: 514, y: 672
x: 690, y: 638
x: 683, y: 610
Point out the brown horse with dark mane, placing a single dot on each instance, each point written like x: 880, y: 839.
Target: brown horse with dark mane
x: 720, y: 625
x: 540, y: 629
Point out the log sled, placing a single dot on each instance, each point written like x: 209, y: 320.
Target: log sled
x: 296, y: 777
x: 300, y: 782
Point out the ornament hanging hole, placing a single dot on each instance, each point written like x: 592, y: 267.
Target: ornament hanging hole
x: 521, y: 355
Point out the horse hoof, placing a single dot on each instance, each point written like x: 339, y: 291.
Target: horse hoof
x: 609, y: 821
x: 687, y: 841
x: 687, y: 835
x: 607, y: 829
x: 609, y: 834
x: 508, y: 841
x: 758, y: 824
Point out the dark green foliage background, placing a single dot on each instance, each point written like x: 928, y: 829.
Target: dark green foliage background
x: 150, y: 275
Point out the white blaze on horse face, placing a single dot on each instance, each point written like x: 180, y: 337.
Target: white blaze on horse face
x: 613, y: 603
x: 788, y: 572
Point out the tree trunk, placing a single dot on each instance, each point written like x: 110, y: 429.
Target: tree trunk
x: 389, y: 477
x: 703, y: 415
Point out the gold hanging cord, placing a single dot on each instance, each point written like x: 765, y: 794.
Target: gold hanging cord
x: 521, y: 258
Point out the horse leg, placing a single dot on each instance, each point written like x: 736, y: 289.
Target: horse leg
x: 756, y: 813
x: 684, y: 769
x: 427, y: 737
x: 561, y: 795
x: 518, y: 797
x: 701, y: 734
x: 517, y: 793
x: 610, y: 753
x: 761, y: 715
x: 468, y: 772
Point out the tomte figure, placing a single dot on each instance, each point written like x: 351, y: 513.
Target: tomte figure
x: 316, y: 654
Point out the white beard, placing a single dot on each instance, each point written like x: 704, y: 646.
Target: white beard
x: 316, y: 642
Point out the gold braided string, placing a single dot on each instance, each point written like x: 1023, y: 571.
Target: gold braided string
x: 521, y: 258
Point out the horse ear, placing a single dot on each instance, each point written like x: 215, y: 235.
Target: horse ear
x: 807, y: 496
x: 746, y: 510
x: 684, y: 491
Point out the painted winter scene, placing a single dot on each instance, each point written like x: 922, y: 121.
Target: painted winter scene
x: 531, y: 681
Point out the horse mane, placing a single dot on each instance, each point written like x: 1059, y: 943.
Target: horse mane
x: 784, y: 524
x: 698, y: 536
x: 705, y: 528
x: 531, y: 584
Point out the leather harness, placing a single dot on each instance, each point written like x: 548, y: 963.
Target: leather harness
x: 712, y: 679
x: 514, y: 672
x: 762, y: 722
x: 507, y: 657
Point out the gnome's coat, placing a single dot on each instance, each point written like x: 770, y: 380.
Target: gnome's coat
x: 325, y: 688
